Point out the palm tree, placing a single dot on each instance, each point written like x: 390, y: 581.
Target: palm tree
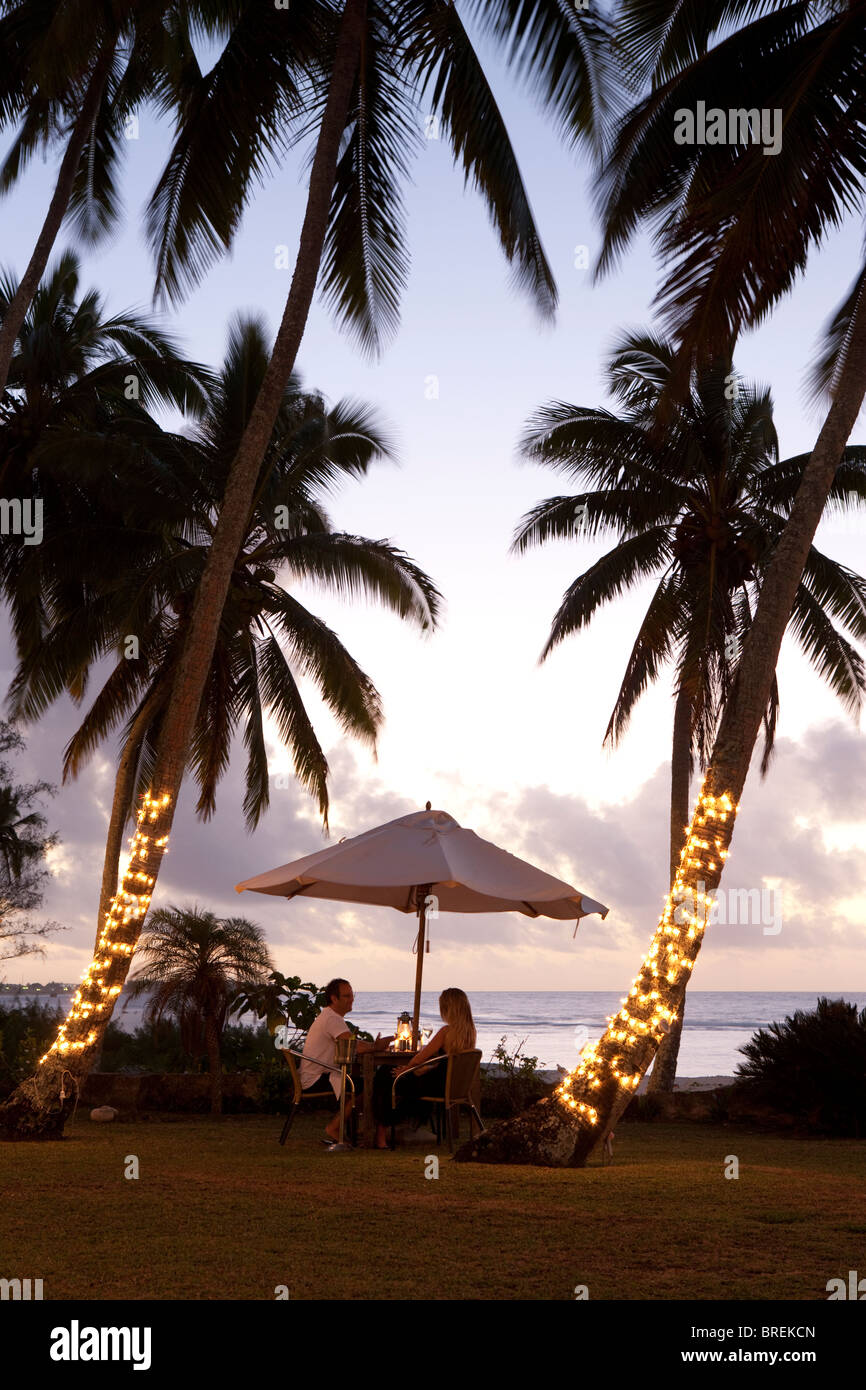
x: 18, y: 849
x: 701, y: 507
x: 192, y: 965
x: 23, y: 847
x: 78, y: 441
x: 267, y: 637
x: 734, y: 225
x: 74, y: 75
x: 362, y: 98
x: 735, y: 230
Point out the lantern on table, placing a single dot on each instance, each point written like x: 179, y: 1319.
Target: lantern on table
x: 403, y: 1039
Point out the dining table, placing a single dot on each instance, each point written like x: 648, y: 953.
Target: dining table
x: 369, y: 1061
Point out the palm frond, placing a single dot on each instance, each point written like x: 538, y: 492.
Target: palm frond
x: 454, y: 82
x: 282, y: 698
x: 640, y: 557
x: 233, y: 125
x: 828, y: 370
x: 249, y: 700
x: 564, y: 55
x: 355, y: 567
x: 365, y: 263
x: 652, y: 649
x: 832, y: 656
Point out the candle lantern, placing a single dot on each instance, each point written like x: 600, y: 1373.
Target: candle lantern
x: 403, y: 1040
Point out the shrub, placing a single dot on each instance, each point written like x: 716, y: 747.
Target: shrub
x: 644, y: 1108
x: 287, y: 1001
x: 159, y: 1049
x: 516, y: 1086
x: 812, y: 1066
x: 144, y: 1050
x: 26, y: 1032
x: 720, y: 1106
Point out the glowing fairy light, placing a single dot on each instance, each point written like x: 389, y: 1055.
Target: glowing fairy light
x: 128, y: 909
x: 647, y: 1011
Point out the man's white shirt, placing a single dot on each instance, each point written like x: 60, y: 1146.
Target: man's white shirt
x: 319, y: 1047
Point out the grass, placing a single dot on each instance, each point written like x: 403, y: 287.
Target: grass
x: 220, y: 1211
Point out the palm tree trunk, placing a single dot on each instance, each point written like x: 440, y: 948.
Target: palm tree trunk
x: 664, y: 1069
x: 36, y: 1109
x: 214, y: 1060
x: 565, y: 1130
x: 121, y: 806
x: 29, y: 283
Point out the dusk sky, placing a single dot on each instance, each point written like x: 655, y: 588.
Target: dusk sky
x: 473, y: 724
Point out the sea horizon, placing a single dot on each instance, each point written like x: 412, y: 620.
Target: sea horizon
x: 553, y: 1025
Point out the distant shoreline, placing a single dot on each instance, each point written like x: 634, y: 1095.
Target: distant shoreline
x: 53, y: 988
x: 682, y: 1083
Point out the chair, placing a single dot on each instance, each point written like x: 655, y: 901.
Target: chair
x: 328, y: 1091
x: 462, y: 1082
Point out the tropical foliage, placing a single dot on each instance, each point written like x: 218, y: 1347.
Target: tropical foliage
x: 26, y: 1029
x: 74, y: 75
x: 733, y: 226
x: 192, y: 963
x: 729, y: 529
x: 287, y: 1000
x: 24, y: 844
x: 812, y: 1066
x: 79, y: 442
x: 268, y: 640
x: 699, y: 507
x: 412, y: 64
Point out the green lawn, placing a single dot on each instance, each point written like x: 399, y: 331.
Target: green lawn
x: 220, y: 1211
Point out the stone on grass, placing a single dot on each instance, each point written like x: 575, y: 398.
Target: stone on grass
x: 103, y: 1113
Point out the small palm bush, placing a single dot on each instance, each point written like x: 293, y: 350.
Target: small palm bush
x: 813, y: 1066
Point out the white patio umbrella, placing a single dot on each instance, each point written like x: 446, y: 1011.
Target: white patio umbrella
x: 426, y: 862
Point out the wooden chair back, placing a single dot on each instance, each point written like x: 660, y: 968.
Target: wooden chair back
x: 462, y: 1076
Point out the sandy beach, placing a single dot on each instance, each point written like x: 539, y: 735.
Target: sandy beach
x: 683, y: 1083
x: 693, y: 1083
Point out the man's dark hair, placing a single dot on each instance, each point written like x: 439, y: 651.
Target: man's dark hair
x: 332, y: 989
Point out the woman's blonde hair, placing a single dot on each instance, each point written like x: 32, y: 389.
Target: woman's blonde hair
x: 456, y: 1011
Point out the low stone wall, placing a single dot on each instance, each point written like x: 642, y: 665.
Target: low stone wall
x: 727, y: 1104
x: 190, y: 1094
x: 171, y: 1091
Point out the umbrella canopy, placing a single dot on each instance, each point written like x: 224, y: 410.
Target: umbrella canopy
x: 388, y: 866
x: 425, y: 863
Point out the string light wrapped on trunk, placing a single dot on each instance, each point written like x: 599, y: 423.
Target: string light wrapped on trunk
x: 95, y: 996
x: 619, y: 1057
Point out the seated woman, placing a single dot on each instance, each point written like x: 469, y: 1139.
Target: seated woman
x: 457, y: 1035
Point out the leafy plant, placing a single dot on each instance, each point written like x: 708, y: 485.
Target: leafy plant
x: 24, y: 845
x: 281, y: 1000
x: 812, y: 1066
x: 26, y: 1030
x: 720, y: 1106
x: 515, y: 1084
x: 192, y: 965
x: 159, y: 1049
x: 284, y: 1000
x: 644, y: 1109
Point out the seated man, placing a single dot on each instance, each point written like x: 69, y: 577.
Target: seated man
x: 319, y: 1046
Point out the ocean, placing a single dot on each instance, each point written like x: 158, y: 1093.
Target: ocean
x: 554, y: 1025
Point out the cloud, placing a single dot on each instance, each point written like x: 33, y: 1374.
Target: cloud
x: 616, y: 853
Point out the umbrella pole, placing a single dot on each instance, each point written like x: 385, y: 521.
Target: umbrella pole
x: 422, y: 892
